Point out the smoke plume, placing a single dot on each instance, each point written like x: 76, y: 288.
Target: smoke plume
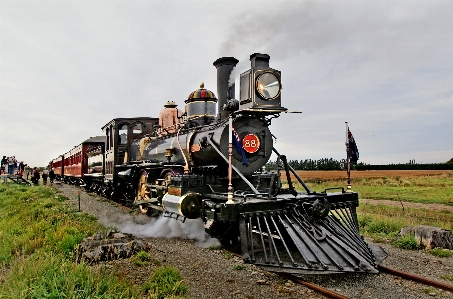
x: 162, y: 227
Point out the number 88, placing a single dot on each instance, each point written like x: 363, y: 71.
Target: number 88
x: 250, y: 143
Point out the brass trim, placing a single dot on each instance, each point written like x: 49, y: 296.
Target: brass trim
x: 264, y: 110
x: 201, y: 101
x: 181, y: 199
x: 199, y: 115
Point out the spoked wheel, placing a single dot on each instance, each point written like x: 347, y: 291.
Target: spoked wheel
x: 144, y: 193
x: 230, y: 238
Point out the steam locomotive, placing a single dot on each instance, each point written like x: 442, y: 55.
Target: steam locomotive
x: 208, y: 165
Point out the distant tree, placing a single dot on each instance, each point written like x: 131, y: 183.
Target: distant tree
x: 450, y: 161
x: 309, y: 164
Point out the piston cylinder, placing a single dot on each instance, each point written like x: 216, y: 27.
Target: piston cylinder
x: 188, y: 205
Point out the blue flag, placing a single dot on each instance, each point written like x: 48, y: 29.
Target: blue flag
x: 238, y: 145
x: 353, y: 151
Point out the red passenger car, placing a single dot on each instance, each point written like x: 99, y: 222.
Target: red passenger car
x: 73, y: 165
x: 57, y: 166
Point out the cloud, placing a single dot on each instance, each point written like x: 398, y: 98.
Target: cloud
x: 67, y: 68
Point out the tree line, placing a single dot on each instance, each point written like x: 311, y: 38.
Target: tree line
x: 332, y: 164
x: 309, y: 164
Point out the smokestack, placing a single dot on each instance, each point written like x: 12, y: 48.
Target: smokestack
x: 260, y: 61
x: 224, y: 67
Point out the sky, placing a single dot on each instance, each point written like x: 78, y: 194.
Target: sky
x: 386, y: 67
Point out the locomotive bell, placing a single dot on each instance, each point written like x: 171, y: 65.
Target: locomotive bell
x: 260, y: 88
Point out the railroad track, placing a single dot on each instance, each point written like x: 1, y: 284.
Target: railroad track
x: 326, y: 292
x: 331, y: 294
x: 417, y: 278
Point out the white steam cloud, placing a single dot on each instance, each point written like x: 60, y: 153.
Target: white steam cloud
x: 162, y: 227
x: 241, y: 67
x: 231, y: 80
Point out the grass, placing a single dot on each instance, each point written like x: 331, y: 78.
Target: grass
x: 440, y: 252
x: 384, y: 222
x: 381, y: 222
x: 165, y: 283
x: 407, y: 242
x: 408, y: 217
x: 143, y: 258
x: 228, y: 255
x: 33, y: 218
x: 238, y: 267
x: 429, y: 291
x: 447, y: 277
x: 215, y: 247
x: 422, y: 189
x: 38, y: 235
x: 46, y: 275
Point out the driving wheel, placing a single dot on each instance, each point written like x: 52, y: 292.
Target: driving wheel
x: 143, y: 193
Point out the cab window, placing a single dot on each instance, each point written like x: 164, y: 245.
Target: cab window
x: 122, y: 134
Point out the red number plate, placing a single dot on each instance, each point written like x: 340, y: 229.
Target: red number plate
x: 251, y: 143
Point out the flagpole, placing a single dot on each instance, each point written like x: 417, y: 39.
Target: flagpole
x: 230, y: 163
x: 348, y: 165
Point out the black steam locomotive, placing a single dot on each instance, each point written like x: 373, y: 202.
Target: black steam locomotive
x: 208, y: 165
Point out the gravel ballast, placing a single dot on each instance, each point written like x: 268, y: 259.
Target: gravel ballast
x: 219, y: 274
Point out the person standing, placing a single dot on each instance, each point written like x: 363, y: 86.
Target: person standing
x: 26, y: 171
x: 51, y: 176
x: 35, y: 178
x: 21, y: 168
x: 11, y: 165
x: 15, y: 165
x: 45, y: 174
x: 4, y: 169
x: 4, y: 163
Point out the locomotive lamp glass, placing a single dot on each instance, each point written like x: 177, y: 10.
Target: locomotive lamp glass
x: 268, y: 86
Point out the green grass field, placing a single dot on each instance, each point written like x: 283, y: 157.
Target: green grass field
x: 383, y: 222
x: 422, y: 189
x: 38, y: 235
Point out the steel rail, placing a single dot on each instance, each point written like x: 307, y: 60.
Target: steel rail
x: 417, y: 278
x: 326, y: 292
x: 323, y: 291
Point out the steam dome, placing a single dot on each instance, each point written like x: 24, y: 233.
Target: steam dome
x: 201, y: 93
x: 201, y: 106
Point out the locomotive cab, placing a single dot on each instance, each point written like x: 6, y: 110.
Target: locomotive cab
x: 121, y: 133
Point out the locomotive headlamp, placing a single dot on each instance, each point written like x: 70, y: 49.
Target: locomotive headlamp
x: 268, y: 85
x: 261, y: 87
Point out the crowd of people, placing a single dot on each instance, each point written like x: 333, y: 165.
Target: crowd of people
x: 10, y: 166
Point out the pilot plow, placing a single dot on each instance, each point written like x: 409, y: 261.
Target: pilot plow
x: 307, y: 238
